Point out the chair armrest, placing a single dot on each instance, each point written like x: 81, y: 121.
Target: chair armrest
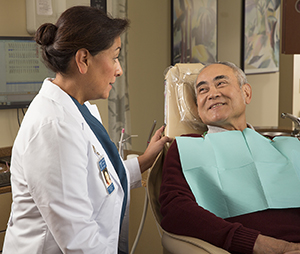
x: 171, y: 242
x: 184, y: 244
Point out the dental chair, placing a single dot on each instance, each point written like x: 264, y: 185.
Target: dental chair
x: 181, y: 117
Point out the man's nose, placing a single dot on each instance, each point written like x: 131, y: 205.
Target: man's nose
x: 213, y: 93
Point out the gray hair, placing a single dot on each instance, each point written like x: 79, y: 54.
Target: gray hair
x: 239, y: 74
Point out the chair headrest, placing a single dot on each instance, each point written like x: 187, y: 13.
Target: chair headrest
x: 181, y: 78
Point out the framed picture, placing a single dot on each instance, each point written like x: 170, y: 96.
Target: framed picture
x: 194, y: 31
x: 261, y: 36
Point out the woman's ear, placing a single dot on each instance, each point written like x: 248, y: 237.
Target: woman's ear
x: 247, y: 91
x: 81, y: 59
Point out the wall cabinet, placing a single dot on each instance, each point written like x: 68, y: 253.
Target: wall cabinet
x: 5, y: 204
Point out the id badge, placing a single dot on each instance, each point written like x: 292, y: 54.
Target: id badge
x: 105, y: 175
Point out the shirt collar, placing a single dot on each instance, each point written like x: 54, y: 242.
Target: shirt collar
x: 216, y: 129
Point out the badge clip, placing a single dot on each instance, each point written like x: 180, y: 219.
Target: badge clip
x: 109, y: 185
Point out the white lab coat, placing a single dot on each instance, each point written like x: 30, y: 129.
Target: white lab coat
x: 60, y: 202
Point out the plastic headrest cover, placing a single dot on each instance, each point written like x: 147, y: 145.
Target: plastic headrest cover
x: 182, y: 77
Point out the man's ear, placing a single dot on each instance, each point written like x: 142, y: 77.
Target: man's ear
x: 247, y: 91
x: 81, y: 59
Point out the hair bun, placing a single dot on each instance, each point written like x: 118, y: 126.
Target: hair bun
x: 45, y: 34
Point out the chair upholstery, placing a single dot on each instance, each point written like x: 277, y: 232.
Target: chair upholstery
x: 181, y: 118
x: 181, y: 114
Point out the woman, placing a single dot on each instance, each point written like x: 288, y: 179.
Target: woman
x: 61, y: 201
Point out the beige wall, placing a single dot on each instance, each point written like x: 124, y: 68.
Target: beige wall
x: 12, y: 22
x: 263, y: 109
x: 286, y: 88
x: 296, y: 86
x: 149, y: 55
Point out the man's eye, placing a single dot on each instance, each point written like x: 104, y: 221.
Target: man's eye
x: 202, y: 90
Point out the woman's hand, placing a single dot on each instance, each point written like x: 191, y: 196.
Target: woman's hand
x: 156, y: 144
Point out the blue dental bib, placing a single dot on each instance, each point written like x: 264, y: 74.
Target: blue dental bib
x: 233, y: 173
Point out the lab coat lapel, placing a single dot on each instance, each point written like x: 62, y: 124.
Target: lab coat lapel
x: 56, y: 94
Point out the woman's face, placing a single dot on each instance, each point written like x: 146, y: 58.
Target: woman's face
x: 104, y: 69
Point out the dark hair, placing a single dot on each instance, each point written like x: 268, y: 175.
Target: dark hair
x: 78, y: 27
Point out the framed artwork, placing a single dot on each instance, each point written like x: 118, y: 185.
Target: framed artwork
x: 261, y: 36
x: 194, y: 31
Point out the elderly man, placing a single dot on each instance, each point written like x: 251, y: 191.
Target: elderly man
x: 231, y: 186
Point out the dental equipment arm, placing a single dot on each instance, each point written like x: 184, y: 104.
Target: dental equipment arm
x: 296, y: 120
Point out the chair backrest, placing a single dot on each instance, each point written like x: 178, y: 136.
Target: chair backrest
x: 181, y: 117
x: 181, y: 114
x: 153, y: 185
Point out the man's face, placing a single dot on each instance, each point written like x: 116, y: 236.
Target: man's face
x: 221, y: 101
